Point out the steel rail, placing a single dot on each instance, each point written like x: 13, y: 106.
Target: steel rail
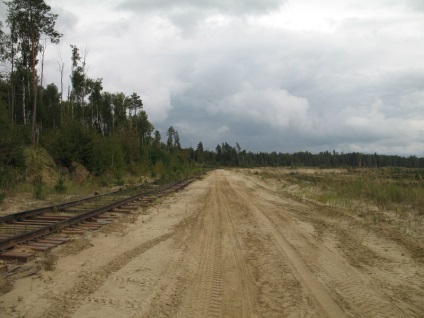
x: 8, y: 243
x: 55, y: 208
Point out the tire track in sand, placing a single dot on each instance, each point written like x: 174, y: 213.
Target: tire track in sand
x: 347, y: 282
x: 223, y: 285
x: 327, y: 304
x: 89, y: 282
x: 243, y: 279
x: 205, y: 296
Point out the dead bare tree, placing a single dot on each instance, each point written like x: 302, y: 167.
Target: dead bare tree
x: 61, y: 65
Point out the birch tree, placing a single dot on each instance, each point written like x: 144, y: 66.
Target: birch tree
x: 30, y: 19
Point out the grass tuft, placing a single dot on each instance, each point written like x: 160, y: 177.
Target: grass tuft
x: 60, y: 186
x: 39, y: 188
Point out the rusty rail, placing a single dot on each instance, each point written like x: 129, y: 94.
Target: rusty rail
x: 11, y: 242
x: 55, y: 208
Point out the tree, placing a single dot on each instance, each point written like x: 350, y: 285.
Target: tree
x: 78, y: 80
x: 61, y: 65
x: 157, y: 139
x: 170, y: 141
x: 50, y: 112
x: 218, y: 153
x: 95, y: 98
x: 7, y: 52
x: 136, y: 106
x: 199, y: 153
x: 145, y: 127
x: 2, y: 43
x: 136, y: 103
x: 31, y: 19
x: 177, y: 143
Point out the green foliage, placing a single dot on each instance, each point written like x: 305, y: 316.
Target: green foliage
x: 12, y: 140
x: 119, y: 181
x: 199, y: 153
x: 158, y: 170
x: 73, y: 142
x: 50, y: 107
x: 60, y: 186
x: 39, y: 190
x: 9, y: 177
x: 104, y: 181
x: 28, y: 20
x: 2, y: 196
x: 108, y: 157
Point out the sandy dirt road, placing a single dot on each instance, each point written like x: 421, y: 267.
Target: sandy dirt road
x: 231, y: 245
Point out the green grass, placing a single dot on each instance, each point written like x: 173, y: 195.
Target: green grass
x: 39, y: 190
x: 60, y: 186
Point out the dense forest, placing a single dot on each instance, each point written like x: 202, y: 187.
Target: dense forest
x: 108, y: 133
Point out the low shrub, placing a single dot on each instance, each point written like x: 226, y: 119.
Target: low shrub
x: 39, y: 190
x: 60, y: 186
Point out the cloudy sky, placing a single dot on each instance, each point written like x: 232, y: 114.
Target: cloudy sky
x: 283, y: 75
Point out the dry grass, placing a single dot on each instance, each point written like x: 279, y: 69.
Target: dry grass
x: 389, y: 195
x: 74, y: 247
x: 48, y: 261
x: 5, y: 286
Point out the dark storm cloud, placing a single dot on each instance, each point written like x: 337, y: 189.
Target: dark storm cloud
x: 296, y: 96
x: 344, y: 75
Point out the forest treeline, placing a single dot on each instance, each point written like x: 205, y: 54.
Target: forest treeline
x: 226, y: 155
x: 107, y: 132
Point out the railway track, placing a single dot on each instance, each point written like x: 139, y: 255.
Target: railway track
x: 32, y: 229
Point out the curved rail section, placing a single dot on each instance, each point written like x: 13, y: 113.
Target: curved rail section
x: 42, y: 231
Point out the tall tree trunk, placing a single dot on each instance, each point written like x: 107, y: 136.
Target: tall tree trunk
x: 84, y: 84
x: 70, y: 101
x: 23, y: 101
x: 61, y: 68
x: 12, y: 84
x: 34, y: 79
x: 42, y: 62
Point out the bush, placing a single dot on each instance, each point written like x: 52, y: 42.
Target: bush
x: 60, y: 186
x: 119, y: 181
x: 73, y: 142
x: 9, y: 177
x: 104, y: 181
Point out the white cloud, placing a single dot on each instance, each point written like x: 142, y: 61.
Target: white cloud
x: 271, y: 107
x: 157, y: 104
